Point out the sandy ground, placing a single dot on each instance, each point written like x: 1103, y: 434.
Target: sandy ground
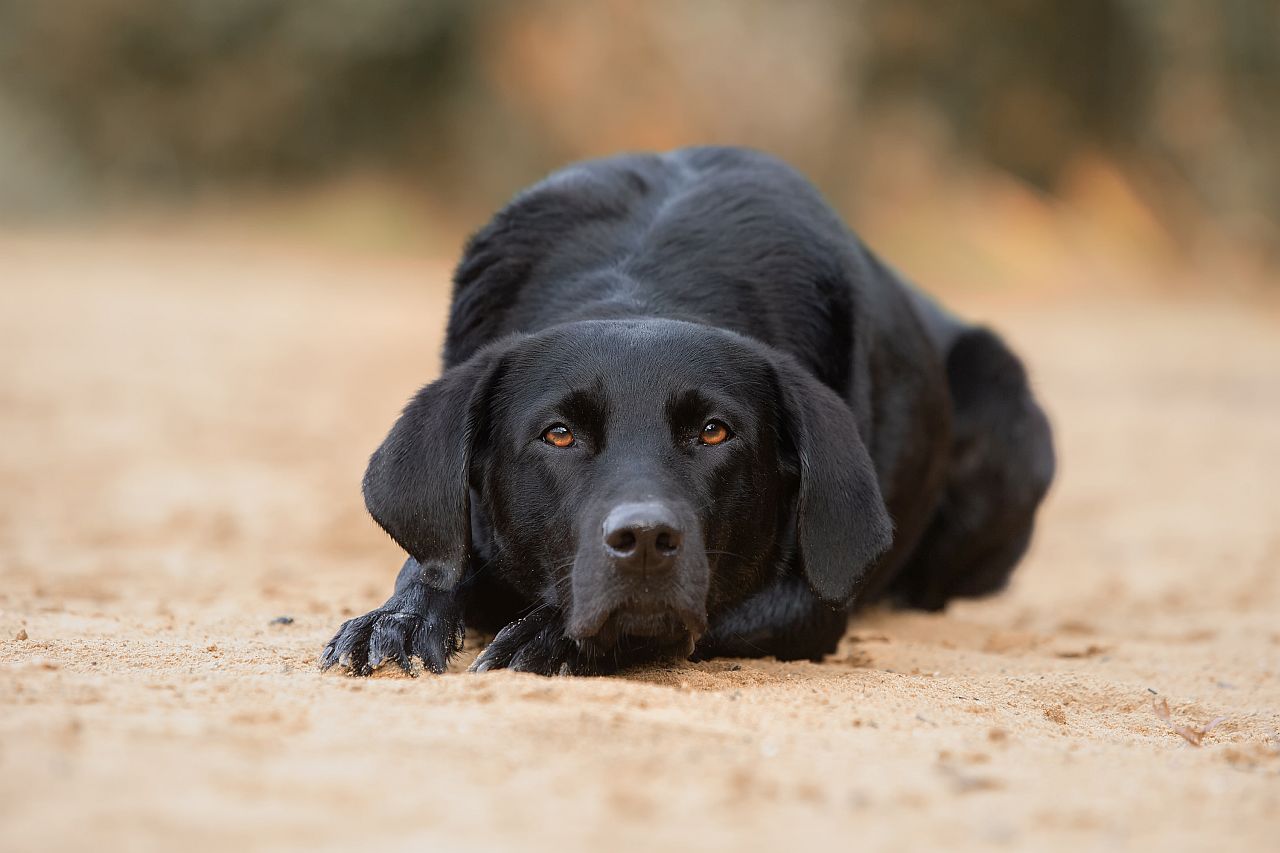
x: 184, y: 426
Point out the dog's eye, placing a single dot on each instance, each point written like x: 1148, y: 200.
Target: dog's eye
x: 558, y: 435
x: 713, y: 433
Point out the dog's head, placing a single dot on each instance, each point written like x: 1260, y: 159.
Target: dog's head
x: 640, y: 475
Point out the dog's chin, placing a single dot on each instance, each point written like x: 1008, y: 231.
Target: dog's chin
x: 668, y: 632
x: 656, y: 625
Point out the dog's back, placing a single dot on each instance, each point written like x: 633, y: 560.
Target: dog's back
x: 726, y: 237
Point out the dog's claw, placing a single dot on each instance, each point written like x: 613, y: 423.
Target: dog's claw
x: 387, y: 642
x: 537, y: 644
x: 480, y: 664
x: 398, y: 631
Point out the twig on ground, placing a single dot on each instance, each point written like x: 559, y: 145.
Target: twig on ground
x: 1193, y: 735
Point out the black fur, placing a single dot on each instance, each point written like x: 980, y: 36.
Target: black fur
x: 876, y: 446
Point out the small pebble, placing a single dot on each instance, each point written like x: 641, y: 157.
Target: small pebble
x: 282, y: 620
x: 21, y: 635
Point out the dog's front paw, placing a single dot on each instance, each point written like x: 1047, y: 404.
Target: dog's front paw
x: 537, y: 643
x: 408, y: 626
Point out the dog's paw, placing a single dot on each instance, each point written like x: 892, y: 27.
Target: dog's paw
x: 403, y: 628
x: 537, y: 643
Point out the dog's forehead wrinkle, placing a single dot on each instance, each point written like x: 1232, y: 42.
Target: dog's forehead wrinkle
x: 637, y: 364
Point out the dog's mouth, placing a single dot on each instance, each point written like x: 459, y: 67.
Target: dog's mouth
x: 663, y: 624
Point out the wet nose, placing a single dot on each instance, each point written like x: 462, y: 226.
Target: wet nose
x: 642, y: 537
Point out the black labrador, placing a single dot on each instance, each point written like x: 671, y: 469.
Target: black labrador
x: 685, y: 412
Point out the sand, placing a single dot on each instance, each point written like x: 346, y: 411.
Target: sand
x: 184, y: 426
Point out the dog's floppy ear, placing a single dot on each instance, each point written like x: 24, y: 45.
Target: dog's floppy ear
x: 416, y: 485
x: 842, y: 523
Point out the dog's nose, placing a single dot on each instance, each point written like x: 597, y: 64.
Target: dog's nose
x: 642, y: 537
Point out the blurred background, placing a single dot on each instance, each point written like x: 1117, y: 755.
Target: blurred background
x: 226, y: 234
x: 985, y: 144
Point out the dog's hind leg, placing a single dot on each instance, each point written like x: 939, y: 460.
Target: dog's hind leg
x: 1001, y: 464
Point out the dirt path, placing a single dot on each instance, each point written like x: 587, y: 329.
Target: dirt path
x: 184, y: 426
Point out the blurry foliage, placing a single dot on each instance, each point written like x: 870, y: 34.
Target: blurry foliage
x: 172, y: 99
x: 159, y: 96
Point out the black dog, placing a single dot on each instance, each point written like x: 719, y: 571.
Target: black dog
x: 685, y: 412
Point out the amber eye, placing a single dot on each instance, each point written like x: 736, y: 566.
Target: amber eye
x: 558, y: 435
x: 713, y: 433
